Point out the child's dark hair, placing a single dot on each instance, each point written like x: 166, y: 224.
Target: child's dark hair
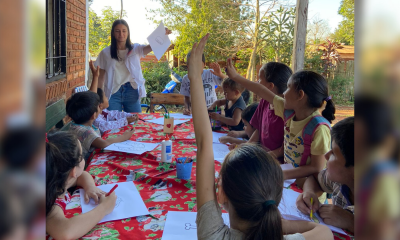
x: 315, y: 87
x: 343, y: 135
x: 82, y: 105
x: 232, y: 85
x: 100, y: 92
x: 62, y: 155
x: 203, y: 58
x: 248, y: 112
x: 251, y: 179
x: 278, y: 74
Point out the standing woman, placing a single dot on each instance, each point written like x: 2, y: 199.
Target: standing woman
x: 120, y: 71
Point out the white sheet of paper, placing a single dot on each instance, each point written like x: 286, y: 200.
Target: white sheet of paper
x: 159, y: 41
x: 180, y: 116
x: 160, y: 121
x: 129, y: 203
x: 217, y: 135
x: 289, y: 210
x: 287, y: 182
x: 132, y: 147
x: 220, y: 151
x: 182, y: 225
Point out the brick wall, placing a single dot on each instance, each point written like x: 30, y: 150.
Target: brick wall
x: 76, y: 51
x: 152, y: 58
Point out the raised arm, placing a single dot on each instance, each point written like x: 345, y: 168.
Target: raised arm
x: 205, y: 170
x: 95, y: 80
x: 101, y: 78
x: 256, y: 88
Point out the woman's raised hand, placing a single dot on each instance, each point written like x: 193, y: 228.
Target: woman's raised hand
x: 167, y: 31
x: 195, y: 64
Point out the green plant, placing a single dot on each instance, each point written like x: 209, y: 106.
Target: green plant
x: 157, y: 75
x: 341, y: 89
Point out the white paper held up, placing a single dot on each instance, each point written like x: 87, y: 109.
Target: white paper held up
x: 287, y: 182
x: 159, y: 41
x: 129, y: 203
x: 182, y: 225
x: 160, y: 121
x: 289, y: 210
x: 220, y: 151
x: 132, y: 147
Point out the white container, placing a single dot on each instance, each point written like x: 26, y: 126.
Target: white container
x: 166, y: 150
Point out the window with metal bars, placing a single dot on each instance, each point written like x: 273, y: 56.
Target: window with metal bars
x: 56, y: 39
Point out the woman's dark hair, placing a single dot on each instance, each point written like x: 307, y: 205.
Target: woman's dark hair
x: 251, y: 177
x: 278, y: 74
x: 128, y: 44
x: 248, y: 112
x: 62, y: 155
x: 82, y: 105
x: 232, y: 85
x: 315, y: 87
x: 343, y: 135
x: 100, y: 92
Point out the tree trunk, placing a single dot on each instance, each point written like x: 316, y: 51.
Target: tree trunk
x: 251, y: 69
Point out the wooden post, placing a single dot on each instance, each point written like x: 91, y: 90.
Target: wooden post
x: 300, y: 32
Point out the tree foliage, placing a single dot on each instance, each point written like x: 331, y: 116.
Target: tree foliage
x: 100, y: 29
x: 345, y: 31
x: 317, y: 30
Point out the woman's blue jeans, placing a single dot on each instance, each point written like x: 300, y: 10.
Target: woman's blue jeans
x: 126, y: 99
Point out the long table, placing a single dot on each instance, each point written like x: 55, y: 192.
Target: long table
x: 160, y: 193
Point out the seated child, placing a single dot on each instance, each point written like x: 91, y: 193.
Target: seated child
x: 108, y: 119
x: 306, y: 92
x: 211, y: 78
x: 234, y: 105
x: 83, y: 108
x: 64, y: 169
x: 250, y: 184
x: 337, y: 179
x: 247, y: 114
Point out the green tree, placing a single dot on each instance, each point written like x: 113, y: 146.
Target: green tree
x: 345, y: 31
x: 100, y: 29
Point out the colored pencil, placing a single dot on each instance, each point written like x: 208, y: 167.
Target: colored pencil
x: 112, y: 190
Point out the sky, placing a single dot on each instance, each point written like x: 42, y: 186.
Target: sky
x: 141, y: 27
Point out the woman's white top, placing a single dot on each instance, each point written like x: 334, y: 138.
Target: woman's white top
x: 116, y: 74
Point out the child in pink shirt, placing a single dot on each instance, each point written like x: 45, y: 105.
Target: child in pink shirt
x: 269, y: 127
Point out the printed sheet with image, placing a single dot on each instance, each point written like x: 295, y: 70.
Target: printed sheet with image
x: 182, y: 225
x: 129, y: 202
x: 159, y: 41
x: 129, y: 146
x: 289, y: 210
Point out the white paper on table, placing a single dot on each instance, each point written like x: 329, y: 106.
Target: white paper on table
x: 287, y: 182
x: 289, y: 210
x: 180, y: 116
x: 217, y: 135
x: 129, y: 203
x: 220, y: 151
x: 160, y: 121
x: 182, y: 225
x: 159, y: 41
x: 132, y: 147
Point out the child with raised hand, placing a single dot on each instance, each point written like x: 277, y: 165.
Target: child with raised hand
x: 65, y: 169
x: 250, y: 184
x: 83, y: 108
x: 234, y: 105
x: 248, y: 131
x: 108, y: 119
x: 306, y: 92
x: 211, y: 77
x: 337, y: 179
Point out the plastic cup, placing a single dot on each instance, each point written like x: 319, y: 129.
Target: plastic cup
x: 184, y: 170
x: 215, y: 124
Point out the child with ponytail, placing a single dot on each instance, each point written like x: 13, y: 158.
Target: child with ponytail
x: 306, y: 133
x: 64, y: 169
x: 250, y: 183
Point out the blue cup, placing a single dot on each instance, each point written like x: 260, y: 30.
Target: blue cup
x: 183, y: 170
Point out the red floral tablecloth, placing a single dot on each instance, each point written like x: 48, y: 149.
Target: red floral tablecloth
x: 160, y: 193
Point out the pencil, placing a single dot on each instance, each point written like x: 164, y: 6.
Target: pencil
x: 311, y: 208
x: 112, y: 190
